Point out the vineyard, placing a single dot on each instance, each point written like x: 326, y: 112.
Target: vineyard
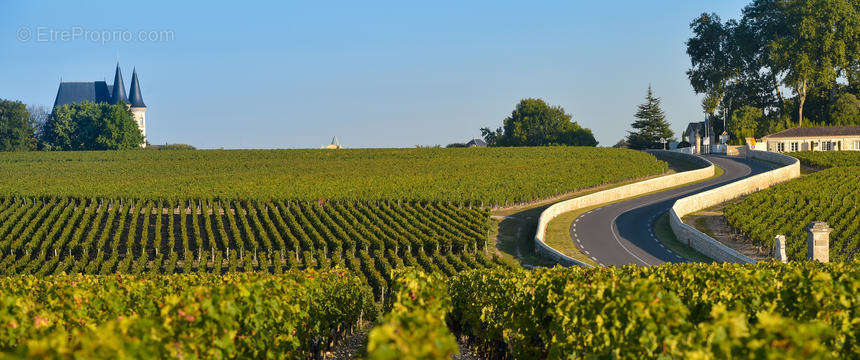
x: 492, y: 176
x: 831, y: 195
x: 828, y: 158
x: 44, y: 236
x: 682, y: 311
x: 297, y: 315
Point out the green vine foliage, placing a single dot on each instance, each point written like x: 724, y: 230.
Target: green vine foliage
x: 828, y: 158
x: 415, y: 327
x: 699, y: 311
x: 293, y: 316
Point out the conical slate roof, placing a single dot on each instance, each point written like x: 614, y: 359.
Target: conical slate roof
x: 135, y: 99
x: 118, y: 93
x: 334, y: 141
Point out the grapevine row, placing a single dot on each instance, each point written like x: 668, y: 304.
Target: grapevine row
x: 101, y: 236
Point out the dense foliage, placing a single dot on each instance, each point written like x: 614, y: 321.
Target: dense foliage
x: 831, y: 195
x: 536, y: 123
x: 91, y: 126
x: 809, y: 47
x: 493, y: 176
x: 16, y: 129
x: 685, y: 311
x: 297, y: 315
x: 98, y: 236
x: 415, y: 327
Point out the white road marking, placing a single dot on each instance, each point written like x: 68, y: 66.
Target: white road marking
x: 615, y: 235
x: 661, y: 245
x: 592, y: 258
x: 601, y: 264
x: 586, y: 252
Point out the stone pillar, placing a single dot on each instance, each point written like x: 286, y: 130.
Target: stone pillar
x: 779, y: 248
x: 818, y: 241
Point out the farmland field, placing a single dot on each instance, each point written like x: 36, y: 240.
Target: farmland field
x: 186, y: 246
x: 55, y: 235
x: 831, y: 195
x: 492, y: 176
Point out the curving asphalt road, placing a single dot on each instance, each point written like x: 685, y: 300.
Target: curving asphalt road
x: 623, y: 233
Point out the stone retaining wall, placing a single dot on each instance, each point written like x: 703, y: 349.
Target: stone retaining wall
x: 618, y: 193
x: 704, y: 243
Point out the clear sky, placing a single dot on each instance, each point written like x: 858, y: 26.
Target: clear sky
x: 292, y: 74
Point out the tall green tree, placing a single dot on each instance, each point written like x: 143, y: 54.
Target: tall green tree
x: 846, y: 110
x: 712, y: 52
x: 535, y: 123
x: 744, y: 122
x: 810, y: 47
x: 814, y: 41
x: 90, y: 126
x: 16, y: 130
x: 652, y: 129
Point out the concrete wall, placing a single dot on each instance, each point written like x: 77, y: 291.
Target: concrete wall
x: 686, y: 150
x: 704, y: 243
x: 614, y: 194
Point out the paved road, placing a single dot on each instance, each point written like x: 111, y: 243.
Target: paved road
x: 623, y: 233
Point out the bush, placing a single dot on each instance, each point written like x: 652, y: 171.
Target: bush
x: 171, y: 147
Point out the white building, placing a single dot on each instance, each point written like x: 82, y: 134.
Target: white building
x: 820, y: 138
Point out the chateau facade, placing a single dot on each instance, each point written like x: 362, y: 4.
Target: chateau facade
x: 102, y: 92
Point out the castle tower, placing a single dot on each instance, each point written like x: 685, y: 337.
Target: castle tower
x: 118, y: 93
x: 135, y: 102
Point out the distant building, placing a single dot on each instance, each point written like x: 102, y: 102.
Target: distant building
x: 699, y: 137
x: 819, y: 138
x: 102, y: 92
x: 334, y: 144
x: 476, y: 143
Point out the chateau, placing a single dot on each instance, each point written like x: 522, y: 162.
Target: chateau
x: 102, y: 92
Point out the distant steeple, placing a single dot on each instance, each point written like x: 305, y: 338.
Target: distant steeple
x: 135, y: 99
x: 334, y: 141
x: 118, y: 93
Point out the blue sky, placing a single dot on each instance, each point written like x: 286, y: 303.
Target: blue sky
x: 289, y: 74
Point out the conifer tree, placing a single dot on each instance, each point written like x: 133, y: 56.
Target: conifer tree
x: 652, y: 130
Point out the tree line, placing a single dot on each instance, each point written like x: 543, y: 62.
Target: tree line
x: 782, y: 64
x: 77, y: 126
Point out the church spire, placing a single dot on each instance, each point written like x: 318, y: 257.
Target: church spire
x: 135, y: 99
x: 118, y: 93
